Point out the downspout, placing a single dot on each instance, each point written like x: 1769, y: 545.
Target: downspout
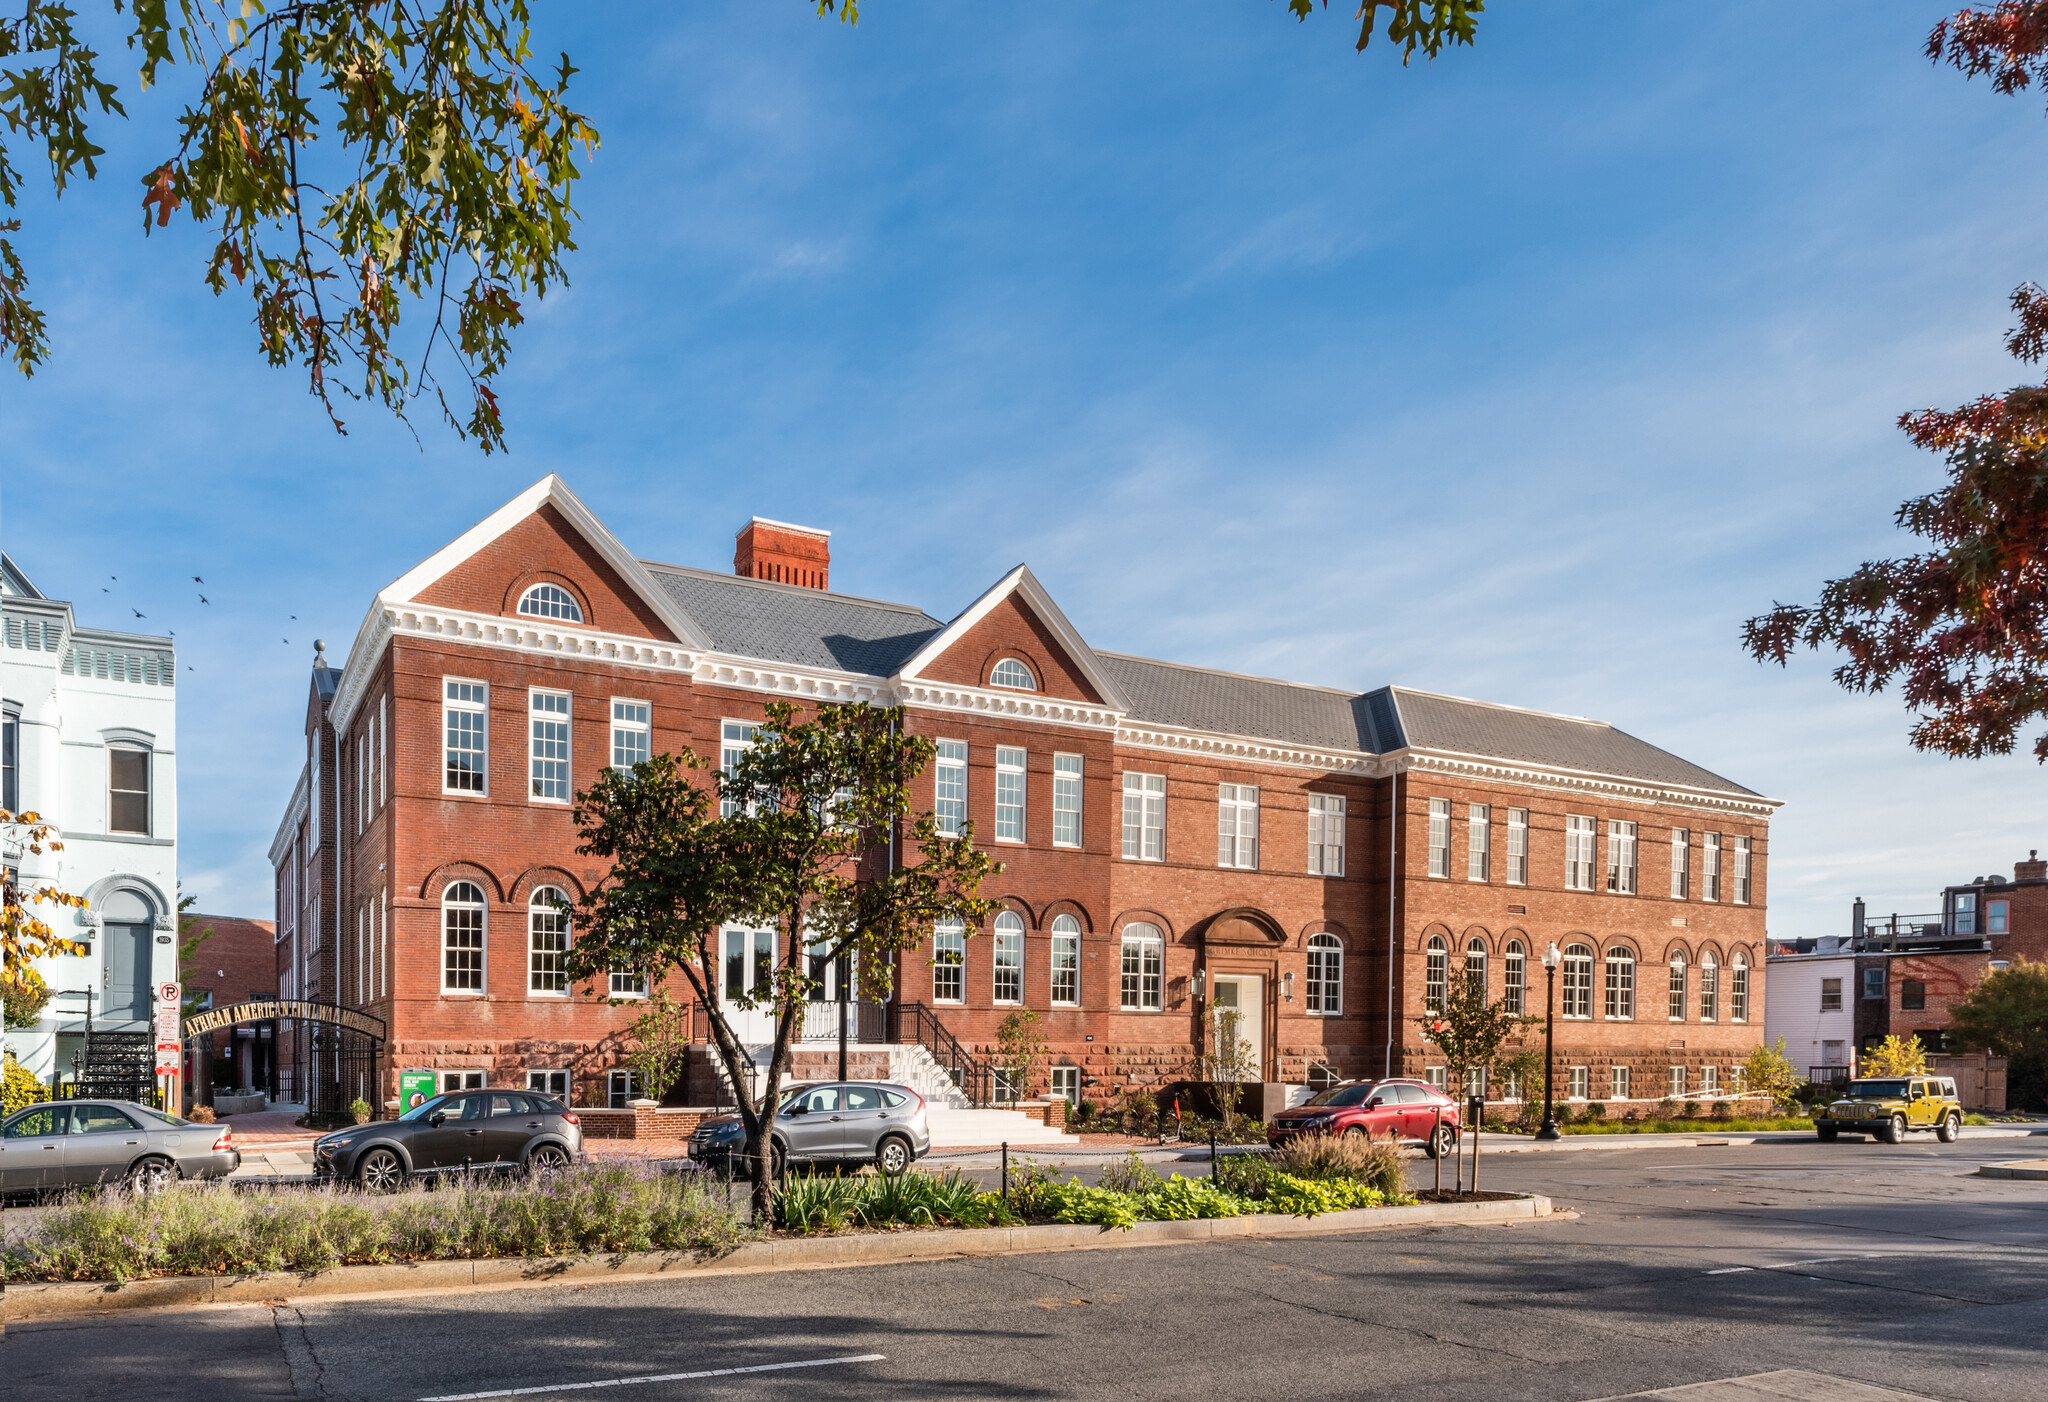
x: 1393, y: 937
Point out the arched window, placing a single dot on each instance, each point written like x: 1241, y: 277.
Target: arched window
x: 550, y: 601
x: 1475, y: 965
x: 1738, y: 988
x: 949, y: 957
x: 1436, y: 973
x: 462, y: 938
x: 547, y: 941
x: 1710, y: 989
x: 1066, y: 961
x: 1677, y: 1001
x: 1514, y: 977
x: 1578, y: 981
x: 1621, y: 982
x: 1144, y: 968
x: 1009, y: 957
x: 1012, y: 673
x: 1325, y: 975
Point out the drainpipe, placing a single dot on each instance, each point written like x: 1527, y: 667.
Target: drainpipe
x: 1393, y: 936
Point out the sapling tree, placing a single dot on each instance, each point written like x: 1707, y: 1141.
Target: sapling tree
x: 1894, y: 1056
x: 1472, y: 1034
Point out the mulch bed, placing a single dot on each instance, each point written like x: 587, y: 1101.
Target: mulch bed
x: 1447, y: 1195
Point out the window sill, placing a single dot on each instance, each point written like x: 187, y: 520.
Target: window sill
x: 547, y: 995
x: 1068, y: 846
x: 462, y: 993
x: 1011, y: 842
x: 465, y: 793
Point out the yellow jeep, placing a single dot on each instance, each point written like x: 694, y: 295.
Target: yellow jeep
x: 1888, y: 1106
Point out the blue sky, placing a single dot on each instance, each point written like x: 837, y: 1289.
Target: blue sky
x: 1526, y: 375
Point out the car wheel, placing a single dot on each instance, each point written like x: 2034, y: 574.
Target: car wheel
x: 1895, y: 1130
x: 1825, y: 1136
x: 1439, y: 1143
x: 1355, y: 1131
x: 547, y: 1158
x: 151, y: 1176
x: 892, y: 1155
x: 1951, y: 1128
x: 381, y: 1172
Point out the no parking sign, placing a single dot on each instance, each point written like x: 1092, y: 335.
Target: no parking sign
x: 170, y: 1037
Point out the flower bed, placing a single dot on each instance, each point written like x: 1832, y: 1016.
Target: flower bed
x: 1703, y: 1126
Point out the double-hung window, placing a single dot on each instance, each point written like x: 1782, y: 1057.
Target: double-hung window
x: 950, y: 794
x: 1144, y: 958
x: 10, y: 761
x: 1066, y: 961
x: 549, y: 758
x: 949, y: 959
x: 1738, y: 989
x: 1621, y: 857
x: 1675, y: 1085
x: 1621, y: 982
x: 629, y: 983
x: 1518, y: 847
x: 1439, y: 837
x: 1710, y: 866
x: 1675, y: 1004
x: 1578, y: 853
x: 1237, y: 826
x: 1617, y: 1082
x: 1513, y: 977
x: 1710, y: 989
x: 1325, y: 834
x: 128, y: 789
x: 1144, y: 817
x: 1436, y: 973
x: 1325, y: 976
x: 1996, y: 919
x: 1873, y: 983
x: 1738, y: 871
x: 1066, y: 800
x: 1009, y: 794
x: 462, y: 938
x: 1581, y: 1082
x: 547, y: 922
x: 735, y: 738
x: 1681, y: 863
x: 1009, y: 985
x: 632, y: 737
x: 1578, y: 981
x: 1479, y: 842
x: 465, y: 721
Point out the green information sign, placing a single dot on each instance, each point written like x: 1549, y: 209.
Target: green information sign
x: 414, y: 1088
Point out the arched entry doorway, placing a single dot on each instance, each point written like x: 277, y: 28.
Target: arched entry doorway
x: 127, y: 944
x: 340, y: 1049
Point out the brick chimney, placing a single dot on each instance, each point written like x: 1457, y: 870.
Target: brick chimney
x: 2032, y: 869
x: 784, y: 553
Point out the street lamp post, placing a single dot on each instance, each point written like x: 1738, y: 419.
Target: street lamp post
x: 1551, y: 959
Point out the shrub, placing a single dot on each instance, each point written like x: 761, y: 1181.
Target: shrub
x: 1180, y: 1199
x: 19, y: 1088
x: 359, y: 1109
x: 201, y: 1115
x: 1596, y: 1110
x: 1302, y: 1197
x: 1348, y: 1157
x: 1724, y: 1110
x: 1131, y: 1175
x: 1140, y: 1108
x: 1244, y: 1176
x: 1692, y: 1109
x: 1070, y: 1201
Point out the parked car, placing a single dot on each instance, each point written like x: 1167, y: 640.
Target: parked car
x: 79, y: 1143
x: 460, y: 1132
x: 874, y: 1121
x: 1889, y: 1106
x: 1413, y: 1112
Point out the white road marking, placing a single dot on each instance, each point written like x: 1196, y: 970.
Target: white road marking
x: 1787, y: 1265
x: 655, y: 1378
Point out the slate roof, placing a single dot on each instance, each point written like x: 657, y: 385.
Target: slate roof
x: 793, y: 624
x: 1197, y: 698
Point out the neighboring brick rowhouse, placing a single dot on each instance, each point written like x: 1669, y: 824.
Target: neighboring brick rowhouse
x: 1102, y: 783
x: 235, y: 963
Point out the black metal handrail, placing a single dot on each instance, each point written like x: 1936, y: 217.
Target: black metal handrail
x: 916, y: 1023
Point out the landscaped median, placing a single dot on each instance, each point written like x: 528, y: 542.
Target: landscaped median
x: 197, y: 1243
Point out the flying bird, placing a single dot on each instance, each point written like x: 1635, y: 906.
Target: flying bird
x: 138, y: 613
x: 204, y: 600
x: 197, y: 580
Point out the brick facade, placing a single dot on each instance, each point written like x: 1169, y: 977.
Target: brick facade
x: 406, y: 837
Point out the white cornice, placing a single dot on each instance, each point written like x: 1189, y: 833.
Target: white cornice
x: 293, y: 811
x: 1022, y: 581
x: 792, y: 683
x: 1248, y: 749
x: 1457, y: 766
x: 1021, y: 705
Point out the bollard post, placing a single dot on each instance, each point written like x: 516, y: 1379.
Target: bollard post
x: 1436, y: 1129
x: 1006, y: 1170
x: 1212, y: 1153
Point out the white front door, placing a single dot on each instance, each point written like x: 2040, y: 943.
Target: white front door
x: 1239, y: 999
x: 749, y: 966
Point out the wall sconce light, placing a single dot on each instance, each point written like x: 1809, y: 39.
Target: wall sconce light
x: 1201, y: 983
x: 1287, y: 985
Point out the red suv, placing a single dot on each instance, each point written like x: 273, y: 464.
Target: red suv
x: 1413, y: 1112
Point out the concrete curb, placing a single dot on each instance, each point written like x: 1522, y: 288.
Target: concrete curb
x: 2017, y: 1168
x: 59, y: 1299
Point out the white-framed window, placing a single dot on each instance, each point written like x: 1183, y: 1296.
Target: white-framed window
x: 547, y: 942
x: 1014, y: 674
x: 632, y: 732
x: 10, y: 761
x: 1710, y: 988
x: 1617, y: 1083
x: 1675, y: 1085
x: 1873, y: 983
x: 1009, y: 794
x: 362, y: 748
x: 1325, y: 834
x: 1144, y: 969
x: 128, y: 789
x: 1710, y: 866
x: 550, y: 601
x: 1578, y: 981
x: 1621, y: 857
x: 362, y: 955
x: 1237, y: 826
x: 1621, y: 982
x: 1681, y: 863
x: 1738, y: 988
x: 1475, y: 1082
x: 949, y: 962
x: 1514, y: 977
x: 549, y: 1082
x: 1436, y: 973
x: 735, y: 738
x: 383, y: 746
x: 1438, y: 1077
x: 1066, y: 800
x: 621, y: 1089
x: 461, y: 1080
x: 1830, y: 995
x: 1710, y: 1080
x: 1511, y: 1086
x: 1675, y: 1005
x: 1738, y: 872
x: 1066, y: 1083
x: 629, y: 983
x: 1144, y: 817
x: 1475, y: 965
x: 1478, y: 842
x: 462, y: 938
x: 1578, y: 853
x: 1325, y: 976
x: 950, y: 786
x: 1518, y: 847
x: 1439, y: 837
x: 548, y: 755
x: 1066, y: 961
x: 1997, y: 921
x: 1009, y: 963
x: 1581, y: 1082
x: 1966, y: 913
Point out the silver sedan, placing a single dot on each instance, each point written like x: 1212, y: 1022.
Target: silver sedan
x: 79, y: 1143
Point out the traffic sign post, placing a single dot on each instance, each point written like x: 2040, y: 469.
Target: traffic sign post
x: 170, y: 1042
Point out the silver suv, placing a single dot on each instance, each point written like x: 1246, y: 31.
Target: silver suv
x: 876, y: 1121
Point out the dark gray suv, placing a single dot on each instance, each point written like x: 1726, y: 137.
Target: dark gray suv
x: 461, y: 1132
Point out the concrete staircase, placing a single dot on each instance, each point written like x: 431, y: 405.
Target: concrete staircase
x: 913, y: 1065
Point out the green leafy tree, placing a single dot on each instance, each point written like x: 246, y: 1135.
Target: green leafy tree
x: 1427, y: 25
x: 1020, y: 1050
x: 2006, y: 1014
x: 1894, y: 1056
x: 1472, y: 1033
x: 1769, y: 1071
x: 661, y: 1044
x: 191, y: 934
x: 806, y: 849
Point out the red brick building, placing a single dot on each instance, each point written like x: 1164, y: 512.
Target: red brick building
x: 1175, y: 839
x: 234, y: 962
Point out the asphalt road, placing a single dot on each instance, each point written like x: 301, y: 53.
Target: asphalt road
x: 1892, y: 1266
